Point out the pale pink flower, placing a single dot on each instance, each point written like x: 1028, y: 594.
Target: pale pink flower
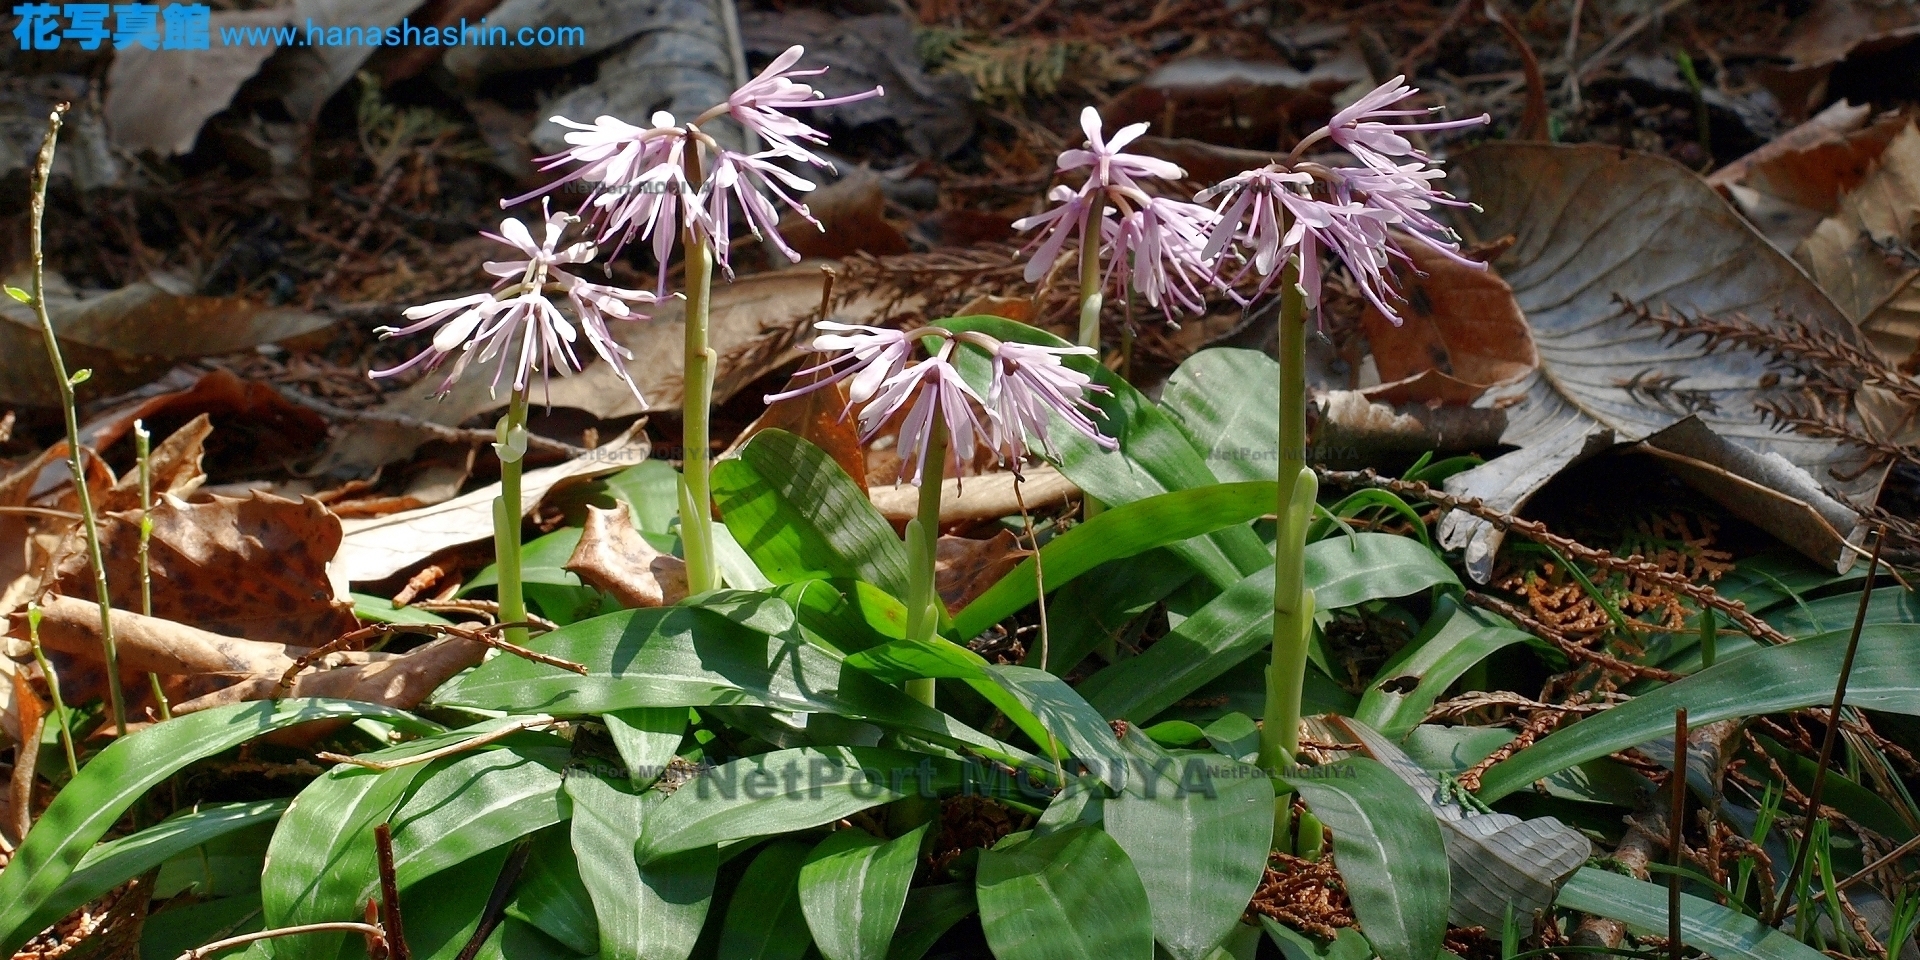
x: 1108, y: 167
x: 747, y: 180
x: 1159, y: 248
x: 873, y: 355
x: 1357, y: 128
x: 1065, y: 220
x: 1030, y: 383
x: 936, y: 390
x: 759, y: 106
x: 483, y: 326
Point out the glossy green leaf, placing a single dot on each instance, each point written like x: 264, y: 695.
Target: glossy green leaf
x: 764, y: 921
x: 1070, y: 895
x: 852, y: 889
x: 472, y: 803
x: 1455, y: 638
x: 1704, y: 925
x: 1228, y: 401
x: 1197, y: 829
x: 653, y: 912
x: 1392, y: 856
x: 799, y: 516
x: 117, y: 776
x: 1886, y: 676
x: 1103, y: 602
x: 651, y: 489
x: 542, y: 560
x: 552, y: 896
x: 169, y: 932
x: 689, y: 657
x: 1347, y: 944
x: 788, y: 790
x: 898, y: 661
x: 1123, y: 531
x: 930, y: 912
x: 115, y: 862
x: 441, y: 913
x: 1155, y: 455
x: 1237, y: 624
x: 371, y: 609
x: 1835, y: 614
x: 846, y: 615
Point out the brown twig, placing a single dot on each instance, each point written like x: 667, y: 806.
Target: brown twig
x: 1827, y: 739
x: 483, y: 635
x: 390, y: 894
x: 497, y: 900
x: 1567, y: 645
x: 371, y: 930
x: 491, y: 736
x: 1635, y: 565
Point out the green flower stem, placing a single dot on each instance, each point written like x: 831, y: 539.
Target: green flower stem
x: 1292, y: 601
x: 53, y: 685
x: 143, y: 454
x: 76, y: 463
x: 923, y: 544
x: 696, y: 523
x: 512, y: 448
x: 1091, y: 299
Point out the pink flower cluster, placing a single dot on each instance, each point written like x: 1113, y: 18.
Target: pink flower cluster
x: 1029, y: 386
x: 1170, y: 251
x: 649, y: 182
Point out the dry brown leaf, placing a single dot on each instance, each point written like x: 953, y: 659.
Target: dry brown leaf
x: 257, y: 429
x: 112, y: 334
x: 1865, y: 254
x: 852, y: 215
x: 613, y: 556
x: 174, y: 468
x: 31, y: 714
x: 157, y: 100
x: 253, y: 567
x: 1204, y: 162
x: 1236, y: 102
x: 1461, y: 332
x: 964, y: 568
x: 1788, y: 185
x: 819, y: 417
x: 379, y: 548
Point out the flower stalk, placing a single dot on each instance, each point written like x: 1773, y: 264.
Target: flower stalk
x: 512, y: 450
x: 76, y: 455
x: 696, y: 521
x: 923, y: 545
x: 53, y: 686
x: 1091, y: 298
x: 143, y: 455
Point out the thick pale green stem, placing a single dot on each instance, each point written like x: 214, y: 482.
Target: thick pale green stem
x: 512, y: 448
x: 923, y: 544
x: 696, y: 521
x: 143, y: 455
x: 76, y: 462
x: 1292, y: 601
x: 1091, y: 298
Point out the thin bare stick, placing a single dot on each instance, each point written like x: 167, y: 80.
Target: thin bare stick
x: 497, y: 900
x: 41, y: 512
x: 1039, y: 574
x: 1677, y: 821
x: 484, y: 635
x: 143, y: 456
x: 525, y: 723
x: 341, y: 926
x: 1833, y: 730
x: 42, y: 172
x: 390, y: 895
x: 1635, y: 565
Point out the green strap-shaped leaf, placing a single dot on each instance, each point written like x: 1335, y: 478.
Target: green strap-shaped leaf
x: 787, y: 790
x: 1228, y: 401
x: 1343, y: 571
x: 1704, y: 925
x: 1070, y: 895
x: 552, y: 896
x: 115, y: 862
x: 764, y: 920
x: 1391, y: 854
x: 1197, y: 829
x: 653, y: 912
x: 119, y: 775
x: 1793, y: 676
x: 692, y: 657
x: 1455, y: 639
x: 799, y: 516
x: 1155, y: 455
x: 1123, y: 531
x: 852, y: 889
x: 646, y: 738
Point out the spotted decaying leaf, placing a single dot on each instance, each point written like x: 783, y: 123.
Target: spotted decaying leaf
x: 614, y: 557
x: 253, y: 567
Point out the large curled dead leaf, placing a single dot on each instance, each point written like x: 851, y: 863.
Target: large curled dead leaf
x: 1788, y: 185
x: 253, y: 567
x: 112, y: 334
x: 1594, y: 225
x: 1496, y: 860
x: 1242, y: 103
x: 1460, y: 332
x: 963, y: 568
x: 613, y: 556
x: 1865, y: 256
